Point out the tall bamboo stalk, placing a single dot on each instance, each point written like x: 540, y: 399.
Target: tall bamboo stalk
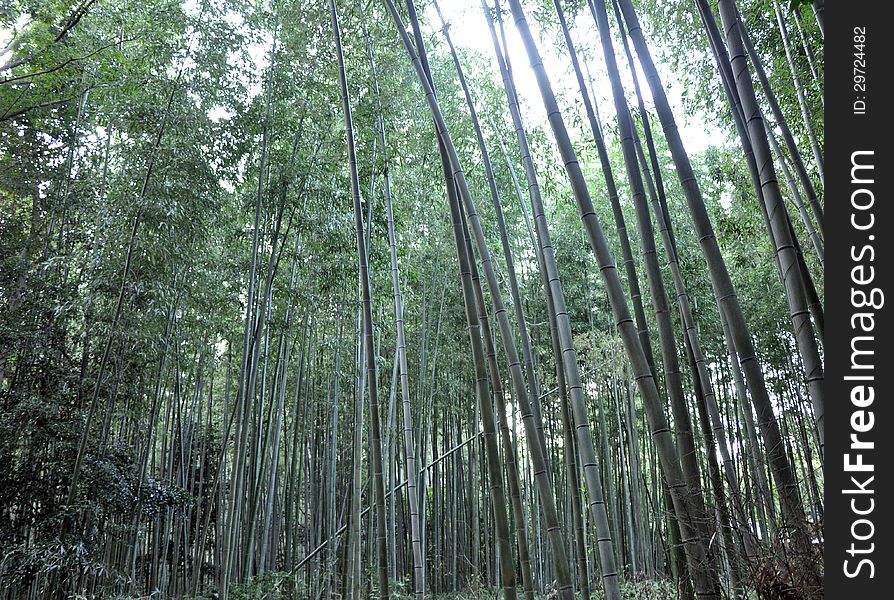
x: 375, y: 440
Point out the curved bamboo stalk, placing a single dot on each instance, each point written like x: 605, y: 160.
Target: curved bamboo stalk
x: 453, y: 173
x: 375, y: 441
x: 586, y: 449
x: 721, y: 282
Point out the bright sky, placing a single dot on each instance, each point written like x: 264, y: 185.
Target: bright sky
x: 469, y: 30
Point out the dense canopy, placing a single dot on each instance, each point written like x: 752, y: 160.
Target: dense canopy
x: 383, y: 299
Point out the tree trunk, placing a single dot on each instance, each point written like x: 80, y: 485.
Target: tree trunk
x: 375, y: 440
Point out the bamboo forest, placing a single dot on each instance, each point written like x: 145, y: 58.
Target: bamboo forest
x: 446, y: 299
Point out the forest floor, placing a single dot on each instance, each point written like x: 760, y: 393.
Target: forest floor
x: 268, y: 589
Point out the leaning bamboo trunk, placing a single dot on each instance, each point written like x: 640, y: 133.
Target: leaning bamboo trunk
x: 705, y: 576
x: 782, y: 235
x: 636, y: 296
x: 450, y: 165
x: 536, y: 447
x: 799, y: 92
x: 370, y: 350
x: 671, y: 370
x: 508, y: 445
x: 586, y: 449
x: 819, y: 11
x: 778, y: 115
x: 704, y: 394
x: 403, y: 370
x: 572, y: 468
x: 721, y: 282
x: 726, y: 75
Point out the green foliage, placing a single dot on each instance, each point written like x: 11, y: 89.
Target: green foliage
x: 136, y: 138
x: 653, y: 589
x: 270, y: 585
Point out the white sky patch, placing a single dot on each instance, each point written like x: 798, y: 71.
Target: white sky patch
x: 220, y: 113
x: 726, y: 199
x: 7, y: 35
x: 469, y: 29
x: 258, y: 52
x: 191, y: 8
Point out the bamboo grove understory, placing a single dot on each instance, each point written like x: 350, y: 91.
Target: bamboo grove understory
x: 360, y: 299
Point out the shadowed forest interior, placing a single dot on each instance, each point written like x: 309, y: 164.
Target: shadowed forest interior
x: 394, y: 299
